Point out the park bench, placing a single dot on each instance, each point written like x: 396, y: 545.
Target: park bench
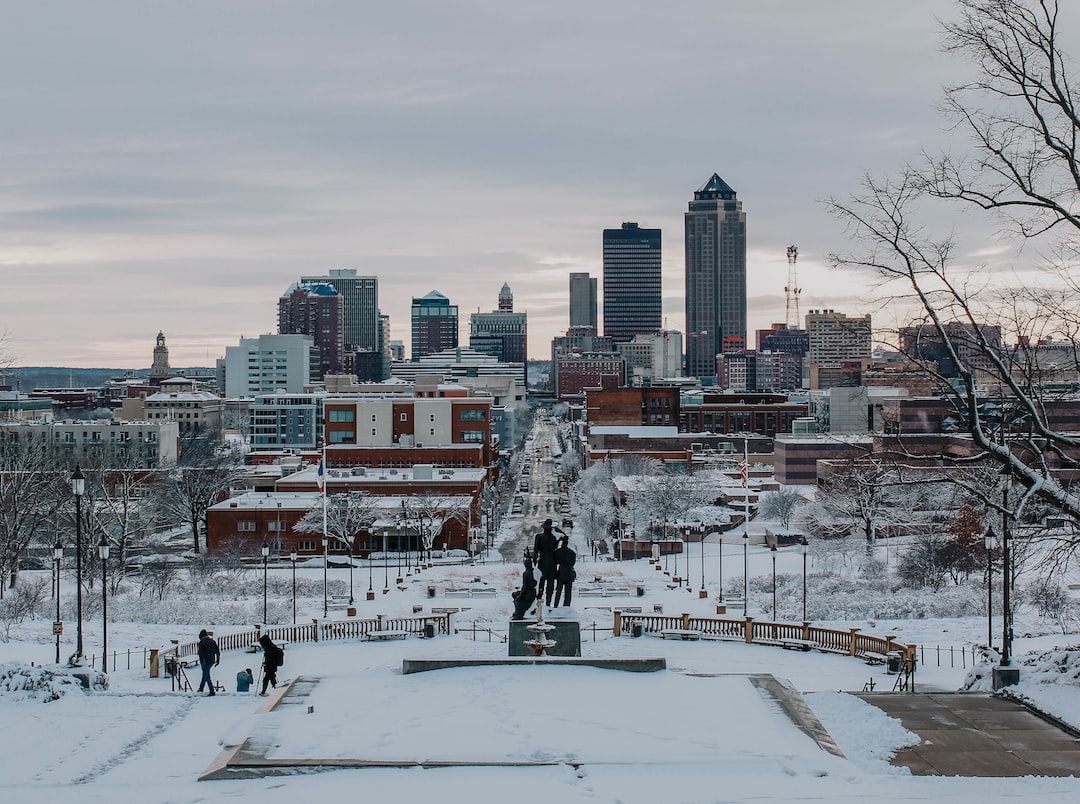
x: 338, y: 602
x: 630, y: 609
x: 798, y: 644
x: 681, y: 633
x: 381, y: 635
x: 616, y: 591
x: 448, y: 609
x: 483, y: 592
x: 457, y: 593
x: 872, y: 658
x: 590, y: 591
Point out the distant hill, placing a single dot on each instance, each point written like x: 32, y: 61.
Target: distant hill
x: 28, y: 378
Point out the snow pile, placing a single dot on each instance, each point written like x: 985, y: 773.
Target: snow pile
x: 866, y: 735
x: 1054, y: 666
x: 21, y: 681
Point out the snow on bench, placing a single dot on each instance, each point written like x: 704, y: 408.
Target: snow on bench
x: 372, y: 635
x: 681, y: 633
x: 798, y: 644
x: 873, y: 658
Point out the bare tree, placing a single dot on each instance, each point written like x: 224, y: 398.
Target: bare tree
x: 1021, y: 166
x: 347, y: 515
x: 33, y: 498
x: 781, y: 505
x: 206, y: 472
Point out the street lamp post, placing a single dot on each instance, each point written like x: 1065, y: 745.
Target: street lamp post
x: 773, y: 550
x: 720, y: 564
x: 1006, y: 578
x: 325, y: 562
x: 58, y: 553
x: 103, y: 554
x: 990, y: 542
x: 370, y: 587
x: 266, y: 558
x: 78, y: 488
x: 352, y: 598
x: 292, y: 558
x: 386, y: 568
x: 804, y: 545
x: 746, y: 569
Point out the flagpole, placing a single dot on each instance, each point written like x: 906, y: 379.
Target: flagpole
x: 746, y: 528
x: 326, y: 544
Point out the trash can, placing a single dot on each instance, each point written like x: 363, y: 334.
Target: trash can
x: 641, y: 591
x: 429, y: 630
x: 636, y: 630
x: 894, y: 662
x: 431, y: 591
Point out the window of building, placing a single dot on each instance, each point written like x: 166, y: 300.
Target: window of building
x: 307, y: 547
x: 472, y: 436
x: 342, y: 436
x: 474, y: 415
x: 245, y: 525
x: 341, y: 415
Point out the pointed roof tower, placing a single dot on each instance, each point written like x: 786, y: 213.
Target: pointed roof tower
x: 715, y: 187
x: 506, y: 298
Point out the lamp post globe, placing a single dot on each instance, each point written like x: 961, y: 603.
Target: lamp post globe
x: 78, y: 488
x: 265, y: 558
x: 58, y: 554
x: 292, y: 557
x: 103, y: 554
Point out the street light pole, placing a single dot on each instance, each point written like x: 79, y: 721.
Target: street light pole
x: 990, y: 542
x: 804, y: 545
x: 746, y: 570
x: 266, y: 557
x: 103, y: 553
x: 58, y: 553
x: 78, y: 488
x: 773, y: 550
x: 720, y: 564
x: 386, y: 568
x: 325, y: 561
x: 293, y: 557
x: 1006, y: 573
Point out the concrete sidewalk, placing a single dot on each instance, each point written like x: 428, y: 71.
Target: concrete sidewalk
x: 975, y: 734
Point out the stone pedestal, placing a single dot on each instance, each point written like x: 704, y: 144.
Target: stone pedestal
x: 1006, y: 676
x: 566, y: 633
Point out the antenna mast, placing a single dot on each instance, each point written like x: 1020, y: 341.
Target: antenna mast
x: 792, y: 290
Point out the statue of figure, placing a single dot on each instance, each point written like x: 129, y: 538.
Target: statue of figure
x: 544, y: 548
x: 526, y: 595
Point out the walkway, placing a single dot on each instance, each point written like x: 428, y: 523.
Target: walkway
x: 974, y: 734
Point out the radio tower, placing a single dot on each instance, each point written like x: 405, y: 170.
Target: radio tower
x: 792, y: 291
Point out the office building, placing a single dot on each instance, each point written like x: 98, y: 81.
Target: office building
x: 582, y: 301
x: 315, y: 310
x: 632, y: 300
x: 434, y: 324
x: 502, y: 333
x: 715, y: 233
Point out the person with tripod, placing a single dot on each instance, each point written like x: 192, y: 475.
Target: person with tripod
x: 209, y: 656
x: 273, y: 658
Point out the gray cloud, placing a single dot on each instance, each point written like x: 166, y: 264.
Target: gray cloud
x: 201, y: 156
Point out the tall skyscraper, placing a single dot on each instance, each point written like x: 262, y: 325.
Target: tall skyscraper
x: 715, y: 276
x: 315, y: 309
x: 632, y: 304
x: 582, y: 301
x: 362, y: 331
x: 434, y: 324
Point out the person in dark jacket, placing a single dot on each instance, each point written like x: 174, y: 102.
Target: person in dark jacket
x: 526, y: 595
x: 565, y: 574
x: 544, y: 547
x: 209, y: 656
x: 244, y: 680
x: 273, y: 658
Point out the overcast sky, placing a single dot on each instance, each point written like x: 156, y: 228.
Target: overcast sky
x: 175, y: 166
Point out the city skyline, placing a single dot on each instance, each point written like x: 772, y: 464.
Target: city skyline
x: 174, y: 170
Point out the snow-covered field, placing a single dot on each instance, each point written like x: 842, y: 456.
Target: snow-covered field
x: 696, y: 732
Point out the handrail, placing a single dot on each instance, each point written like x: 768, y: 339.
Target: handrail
x: 850, y: 642
x: 318, y: 630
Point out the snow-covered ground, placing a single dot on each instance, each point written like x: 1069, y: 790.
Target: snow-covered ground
x: 696, y: 732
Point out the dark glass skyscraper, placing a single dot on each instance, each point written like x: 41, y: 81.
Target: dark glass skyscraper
x: 632, y: 304
x: 434, y: 324
x: 715, y: 276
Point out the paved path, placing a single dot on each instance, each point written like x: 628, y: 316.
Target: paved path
x: 974, y: 734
